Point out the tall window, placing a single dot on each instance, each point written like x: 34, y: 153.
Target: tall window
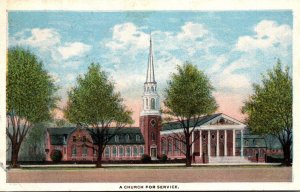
x: 74, y: 138
x: 152, y: 103
x: 74, y: 151
x: 84, y: 151
x: 121, y: 151
x: 117, y: 138
x: 153, y: 136
x: 114, y: 151
x: 107, y: 152
x: 135, y: 151
x: 177, y: 145
x: 170, y: 146
x: 141, y: 150
x: 164, y: 146
x: 128, y: 151
x: 147, y: 102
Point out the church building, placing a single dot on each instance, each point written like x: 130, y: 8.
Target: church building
x: 217, y: 138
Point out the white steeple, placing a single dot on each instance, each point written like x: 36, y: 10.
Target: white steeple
x: 150, y: 97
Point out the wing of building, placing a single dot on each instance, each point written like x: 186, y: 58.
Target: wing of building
x: 217, y: 138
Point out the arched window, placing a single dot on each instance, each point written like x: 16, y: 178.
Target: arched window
x: 177, y: 145
x: 170, y: 146
x: 128, y: 151
x: 114, y: 151
x: 107, y: 152
x: 152, y: 88
x: 74, y: 151
x: 153, y: 136
x: 121, y: 151
x: 152, y: 103
x: 141, y: 150
x: 135, y: 151
x: 164, y: 146
x: 147, y: 104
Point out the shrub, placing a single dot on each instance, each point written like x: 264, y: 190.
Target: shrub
x: 164, y: 158
x: 146, y: 158
x: 56, y: 155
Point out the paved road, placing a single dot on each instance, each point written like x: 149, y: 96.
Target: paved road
x: 194, y: 174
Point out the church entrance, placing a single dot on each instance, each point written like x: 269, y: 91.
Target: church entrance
x: 153, y: 153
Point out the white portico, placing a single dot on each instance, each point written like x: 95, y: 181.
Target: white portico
x: 214, y: 139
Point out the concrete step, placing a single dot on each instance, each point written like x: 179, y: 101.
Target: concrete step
x: 228, y: 159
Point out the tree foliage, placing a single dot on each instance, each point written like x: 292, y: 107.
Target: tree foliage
x: 29, y: 96
x: 269, y: 109
x: 93, y: 102
x: 188, y: 97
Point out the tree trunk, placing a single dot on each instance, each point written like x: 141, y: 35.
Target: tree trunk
x: 14, y: 155
x: 188, y: 160
x: 99, y: 158
x: 287, y: 154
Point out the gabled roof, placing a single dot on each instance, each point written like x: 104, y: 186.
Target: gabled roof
x: 57, y: 135
x: 177, y: 125
x: 122, y: 133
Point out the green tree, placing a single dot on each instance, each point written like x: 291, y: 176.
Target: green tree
x: 29, y: 96
x: 95, y: 104
x: 269, y: 109
x: 188, y: 96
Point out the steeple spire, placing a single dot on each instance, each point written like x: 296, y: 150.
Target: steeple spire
x: 150, y: 70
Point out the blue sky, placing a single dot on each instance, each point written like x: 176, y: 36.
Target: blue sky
x: 232, y: 47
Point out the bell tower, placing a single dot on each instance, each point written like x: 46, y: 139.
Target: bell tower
x: 150, y: 117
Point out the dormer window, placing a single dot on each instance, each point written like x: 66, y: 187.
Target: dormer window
x: 117, y: 138
x: 138, y: 138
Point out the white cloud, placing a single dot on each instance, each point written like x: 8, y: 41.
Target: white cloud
x: 73, y: 49
x: 44, y: 39
x: 192, y: 31
x: 127, y: 36
x: 268, y: 36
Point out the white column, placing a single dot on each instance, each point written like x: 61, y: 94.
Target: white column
x: 200, y: 137
x: 242, y: 143
x: 218, y: 143
x: 208, y: 143
x: 193, y: 143
x: 233, y: 142
x: 225, y: 143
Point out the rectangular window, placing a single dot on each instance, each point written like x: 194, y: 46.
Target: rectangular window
x: 74, y: 138
x: 84, y: 139
x: 95, y: 152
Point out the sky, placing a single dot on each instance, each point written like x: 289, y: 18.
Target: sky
x: 233, y: 48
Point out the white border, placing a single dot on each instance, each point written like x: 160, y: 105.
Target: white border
x: 136, y: 5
